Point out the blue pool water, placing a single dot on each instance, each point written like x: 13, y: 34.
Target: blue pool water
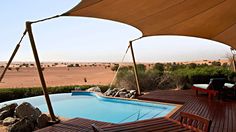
x: 91, y: 106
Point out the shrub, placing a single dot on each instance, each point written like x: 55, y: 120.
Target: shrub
x: 141, y: 67
x: 17, y: 93
x: 159, y: 67
x: 115, y: 67
x: 172, y: 76
x: 186, y: 77
x: 148, y: 78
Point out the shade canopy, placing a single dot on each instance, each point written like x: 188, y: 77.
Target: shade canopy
x: 210, y: 19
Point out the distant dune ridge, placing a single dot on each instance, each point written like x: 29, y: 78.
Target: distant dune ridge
x: 24, y: 74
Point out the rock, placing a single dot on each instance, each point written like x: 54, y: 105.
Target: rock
x: 24, y: 125
x: 94, y: 89
x: 6, y: 113
x: 27, y: 110
x: 122, y: 94
x: 7, y: 110
x: 117, y: 94
x: 128, y: 95
x: 108, y: 92
x: 114, y: 91
x: 9, y: 120
x: 132, y: 97
x: 42, y: 121
x: 133, y: 92
x: 9, y: 107
x: 123, y: 90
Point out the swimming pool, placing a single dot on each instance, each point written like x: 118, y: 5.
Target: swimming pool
x: 92, y: 106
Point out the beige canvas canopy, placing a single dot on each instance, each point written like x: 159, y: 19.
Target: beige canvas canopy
x: 211, y: 19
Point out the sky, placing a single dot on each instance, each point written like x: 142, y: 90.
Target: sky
x: 81, y: 39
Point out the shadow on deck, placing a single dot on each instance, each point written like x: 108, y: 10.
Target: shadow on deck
x: 221, y: 112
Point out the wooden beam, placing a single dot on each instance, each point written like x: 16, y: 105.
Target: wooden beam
x: 135, y: 68
x: 41, y: 76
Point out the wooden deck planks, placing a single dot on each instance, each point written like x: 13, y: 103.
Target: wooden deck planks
x: 73, y: 125
x: 152, y: 125
x: 221, y: 112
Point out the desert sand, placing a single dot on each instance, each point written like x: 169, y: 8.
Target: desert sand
x: 57, y: 76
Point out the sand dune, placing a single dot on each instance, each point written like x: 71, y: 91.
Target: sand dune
x: 57, y: 76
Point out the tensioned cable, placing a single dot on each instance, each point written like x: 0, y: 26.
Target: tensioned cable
x: 136, y: 39
x: 45, y: 19
x: 24, y: 33
x: 12, y: 56
x: 122, y: 60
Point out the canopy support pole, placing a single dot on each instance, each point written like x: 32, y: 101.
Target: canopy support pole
x: 135, y: 68
x: 10, y: 60
x: 233, y: 51
x: 41, y: 76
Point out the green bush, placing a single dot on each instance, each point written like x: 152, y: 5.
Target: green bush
x: 17, y: 93
x: 148, y: 78
x: 187, y: 76
x: 159, y: 67
x: 172, y: 76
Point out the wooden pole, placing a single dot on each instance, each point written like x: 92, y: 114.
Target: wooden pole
x: 233, y: 52
x: 135, y: 68
x: 10, y: 60
x: 43, y: 83
x: 234, y: 68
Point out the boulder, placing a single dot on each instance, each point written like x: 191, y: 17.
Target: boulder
x: 42, y: 121
x: 128, y: 95
x: 123, y: 90
x: 132, y: 97
x: 122, y: 94
x: 6, y: 113
x: 9, y: 120
x: 117, y: 94
x: 133, y: 92
x: 9, y: 107
x: 24, y: 125
x: 27, y: 110
x: 94, y: 89
x: 114, y: 91
x: 108, y: 92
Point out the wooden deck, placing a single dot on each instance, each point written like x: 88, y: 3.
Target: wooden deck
x: 152, y: 125
x: 73, y: 125
x: 221, y: 112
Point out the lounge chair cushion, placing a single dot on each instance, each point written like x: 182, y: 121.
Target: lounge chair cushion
x: 229, y: 85
x: 203, y: 86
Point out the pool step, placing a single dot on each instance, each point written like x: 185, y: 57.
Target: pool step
x: 142, y: 115
x: 150, y: 114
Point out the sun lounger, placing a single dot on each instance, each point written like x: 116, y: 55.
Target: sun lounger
x: 214, y: 87
x: 230, y: 88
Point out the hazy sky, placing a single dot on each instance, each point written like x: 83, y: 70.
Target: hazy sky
x: 90, y: 39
